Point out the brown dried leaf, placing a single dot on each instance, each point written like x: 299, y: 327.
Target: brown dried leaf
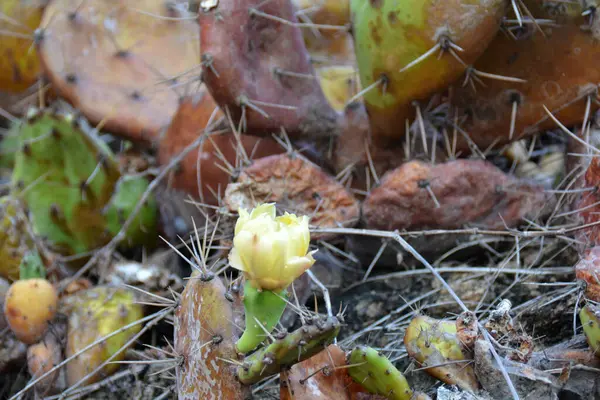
x: 297, y: 186
x: 471, y: 192
x: 118, y: 61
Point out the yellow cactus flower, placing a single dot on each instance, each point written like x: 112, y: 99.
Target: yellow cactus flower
x: 271, y: 251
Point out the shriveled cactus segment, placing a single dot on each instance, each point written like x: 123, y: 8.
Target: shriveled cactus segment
x: 435, y: 345
x: 96, y: 313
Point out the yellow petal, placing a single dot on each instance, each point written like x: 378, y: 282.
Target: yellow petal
x: 235, y: 261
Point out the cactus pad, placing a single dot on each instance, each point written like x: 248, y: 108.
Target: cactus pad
x: 377, y: 374
x: 19, y: 66
x: 114, y: 60
x: 559, y: 68
x: 93, y: 314
x: 293, y: 348
x: 205, y: 336
x: 257, y: 66
x: 67, y: 178
x: 390, y: 35
x: 14, y: 240
x: 435, y: 345
x: 590, y: 321
x: 199, y: 173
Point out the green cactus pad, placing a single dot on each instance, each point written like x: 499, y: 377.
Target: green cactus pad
x: 590, y: 320
x: 265, y: 306
x: 65, y: 176
x: 71, y: 184
x: 377, y: 374
x: 284, y: 352
x: 435, y: 345
x: 143, y: 229
x: 391, y: 35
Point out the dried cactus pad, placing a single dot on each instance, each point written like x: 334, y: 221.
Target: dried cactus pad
x: 19, y: 65
x: 560, y: 70
x: 205, y: 336
x: 391, y: 35
x: 120, y: 62
x: 257, y: 66
x: 588, y: 271
x: 589, y: 205
x: 200, y: 173
x: 322, y: 376
x: 435, y: 344
x: 467, y: 192
x: 94, y: 314
x: 297, y: 186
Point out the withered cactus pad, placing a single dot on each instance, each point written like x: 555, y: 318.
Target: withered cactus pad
x: 468, y: 192
x: 297, y: 186
x: 202, y: 173
x: 257, y: 66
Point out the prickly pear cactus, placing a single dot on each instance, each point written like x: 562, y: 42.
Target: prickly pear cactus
x: 289, y: 349
x: 14, y: 241
x: 435, y: 343
x: 205, y: 336
x: 377, y: 374
x: 128, y: 191
x: 408, y: 49
x: 114, y: 60
x: 19, y: 66
x: 590, y: 321
x: 93, y: 314
x: 67, y: 178
x: 64, y: 176
x: 557, y: 69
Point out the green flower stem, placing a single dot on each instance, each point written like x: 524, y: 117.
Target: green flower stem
x: 265, y: 306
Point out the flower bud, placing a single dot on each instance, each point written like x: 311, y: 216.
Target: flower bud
x: 271, y: 251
